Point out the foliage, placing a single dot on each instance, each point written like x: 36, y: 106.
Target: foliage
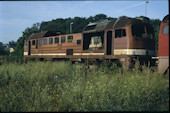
x: 12, y: 44
x: 4, y: 48
x: 156, y: 25
x: 19, y: 48
x: 3, y: 52
x: 6, y: 59
x: 61, y: 86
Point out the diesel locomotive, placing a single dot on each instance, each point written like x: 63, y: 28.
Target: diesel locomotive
x: 124, y: 40
x: 163, y: 46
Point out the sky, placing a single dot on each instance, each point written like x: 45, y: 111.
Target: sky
x: 16, y: 16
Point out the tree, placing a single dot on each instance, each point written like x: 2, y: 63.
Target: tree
x: 1, y: 44
x: 19, y: 49
x: 2, y: 50
x: 100, y: 17
x: 12, y: 44
x: 123, y: 17
x: 156, y: 25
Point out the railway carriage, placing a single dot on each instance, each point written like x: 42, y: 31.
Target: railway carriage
x: 121, y: 39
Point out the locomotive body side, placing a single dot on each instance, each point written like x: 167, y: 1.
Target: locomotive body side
x: 163, y: 46
x: 60, y: 46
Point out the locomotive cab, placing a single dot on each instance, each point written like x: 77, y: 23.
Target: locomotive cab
x: 163, y: 46
x: 95, y: 43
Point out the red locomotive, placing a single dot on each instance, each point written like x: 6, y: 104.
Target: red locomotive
x: 163, y: 46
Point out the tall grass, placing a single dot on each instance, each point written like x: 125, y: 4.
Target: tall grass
x: 61, y: 86
x: 10, y: 59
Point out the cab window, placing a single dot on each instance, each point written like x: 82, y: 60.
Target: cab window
x: 165, y: 30
x: 120, y: 33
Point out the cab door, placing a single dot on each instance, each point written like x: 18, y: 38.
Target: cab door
x: 109, y: 43
x: 29, y: 47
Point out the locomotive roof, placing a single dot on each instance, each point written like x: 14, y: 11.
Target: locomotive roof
x: 41, y: 35
x: 166, y: 19
x: 110, y: 24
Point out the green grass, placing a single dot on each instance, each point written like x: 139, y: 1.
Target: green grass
x: 59, y: 86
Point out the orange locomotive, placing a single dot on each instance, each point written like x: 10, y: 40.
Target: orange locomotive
x: 121, y: 39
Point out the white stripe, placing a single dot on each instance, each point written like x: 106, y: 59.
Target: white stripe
x: 92, y: 53
x: 25, y: 53
x: 88, y: 53
x: 133, y: 52
x: 116, y: 52
x: 77, y: 54
x: 50, y: 54
x: 73, y: 54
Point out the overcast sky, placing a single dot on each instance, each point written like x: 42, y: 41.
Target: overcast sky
x: 16, y: 16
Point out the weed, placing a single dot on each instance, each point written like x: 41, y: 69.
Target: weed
x: 62, y: 86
